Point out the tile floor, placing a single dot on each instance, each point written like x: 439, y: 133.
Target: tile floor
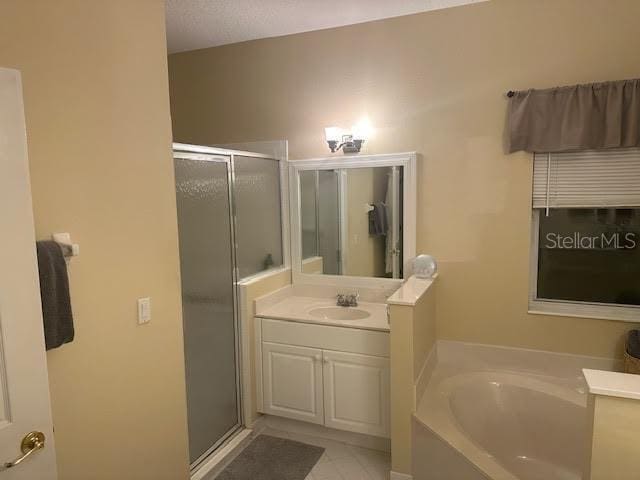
x: 341, y: 461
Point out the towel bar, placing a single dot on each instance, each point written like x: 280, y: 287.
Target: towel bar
x: 68, y: 248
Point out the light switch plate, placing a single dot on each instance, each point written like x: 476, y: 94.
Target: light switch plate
x: 144, y: 310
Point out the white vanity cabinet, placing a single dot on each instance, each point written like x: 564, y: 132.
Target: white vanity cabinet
x: 292, y: 379
x: 332, y: 376
x: 356, y: 392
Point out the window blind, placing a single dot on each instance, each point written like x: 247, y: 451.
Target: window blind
x: 603, y: 178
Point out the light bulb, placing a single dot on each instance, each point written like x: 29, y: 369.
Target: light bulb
x: 333, y: 134
x: 362, y: 130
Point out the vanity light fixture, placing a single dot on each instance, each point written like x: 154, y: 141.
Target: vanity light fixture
x: 348, y: 141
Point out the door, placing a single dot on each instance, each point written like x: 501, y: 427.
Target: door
x: 292, y: 379
x: 356, y: 392
x: 24, y: 385
x: 208, y: 300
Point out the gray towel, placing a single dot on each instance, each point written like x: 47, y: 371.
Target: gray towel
x: 378, y: 223
x: 633, y: 343
x: 54, y: 293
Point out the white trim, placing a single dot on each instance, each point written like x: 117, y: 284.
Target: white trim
x: 186, y: 147
x: 202, y: 156
x: 273, y: 148
x: 565, y: 308
x: 411, y: 291
x: 256, y: 277
x: 602, y: 311
x: 395, y: 222
x: 612, y: 384
x: 533, y: 256
x: 284, y: 205
x: 399, y: 476
x: 408, y: 161
x: 245, y: 353
x: 220, y: 455
x: 259, y: 385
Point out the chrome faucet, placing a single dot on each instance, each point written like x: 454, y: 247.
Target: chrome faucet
x: 347, y: 300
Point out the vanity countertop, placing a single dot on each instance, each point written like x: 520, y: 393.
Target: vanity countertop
x: 298, y: 308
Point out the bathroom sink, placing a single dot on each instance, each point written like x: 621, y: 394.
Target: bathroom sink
x: 339, y: 313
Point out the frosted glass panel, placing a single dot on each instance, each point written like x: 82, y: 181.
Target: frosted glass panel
x: 258, y: 217
x: 206, y: 261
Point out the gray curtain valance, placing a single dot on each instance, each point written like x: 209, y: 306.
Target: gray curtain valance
x: 580, y: 117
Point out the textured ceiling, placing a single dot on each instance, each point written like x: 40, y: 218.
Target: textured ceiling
x: 193, y: 24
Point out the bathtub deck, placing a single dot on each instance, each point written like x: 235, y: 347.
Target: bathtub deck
x: 502, y: 414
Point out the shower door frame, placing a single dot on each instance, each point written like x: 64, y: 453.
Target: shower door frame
x: 224, y: 155
x: 226, y: 158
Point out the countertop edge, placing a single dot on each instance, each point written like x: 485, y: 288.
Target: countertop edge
x: 612, y: 384
x: 411, y: 291
x: 322, y: 323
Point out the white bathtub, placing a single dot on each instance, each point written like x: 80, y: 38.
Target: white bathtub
x: 502, y: 414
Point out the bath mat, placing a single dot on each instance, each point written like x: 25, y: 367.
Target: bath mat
x: 272, y: 458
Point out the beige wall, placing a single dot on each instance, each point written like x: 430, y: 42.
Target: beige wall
x: 433, y: 83
x: 312, y: 265
x: 97, y: 114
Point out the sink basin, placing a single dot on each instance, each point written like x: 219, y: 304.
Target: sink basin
x: 339, y: 313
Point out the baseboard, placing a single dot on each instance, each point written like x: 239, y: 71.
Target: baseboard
x: 259, y: 424
x: 219, y: 459
x: 304, y: 428
x: 399, y: 476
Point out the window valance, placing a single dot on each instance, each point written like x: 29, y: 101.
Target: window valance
x: 580, y: 117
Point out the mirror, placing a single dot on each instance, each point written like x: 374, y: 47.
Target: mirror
x: 351, y: 221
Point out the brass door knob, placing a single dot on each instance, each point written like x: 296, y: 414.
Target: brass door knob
x: 31, y: 443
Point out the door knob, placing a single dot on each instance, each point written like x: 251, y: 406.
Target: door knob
x: 31, y: 443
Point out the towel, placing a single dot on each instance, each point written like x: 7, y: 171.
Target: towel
x: 54, y: 293
x: 633, y: 343
x: 378, y: 224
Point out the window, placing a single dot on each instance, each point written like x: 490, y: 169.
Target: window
x: 586, y: 234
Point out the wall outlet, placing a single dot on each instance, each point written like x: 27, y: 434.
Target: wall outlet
x: 144, y: 310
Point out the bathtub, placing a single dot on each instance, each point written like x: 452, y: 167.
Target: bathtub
x: 502, y: 414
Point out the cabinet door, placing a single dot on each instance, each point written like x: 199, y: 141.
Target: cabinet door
x: 356, y: 393
x: 292, y: 379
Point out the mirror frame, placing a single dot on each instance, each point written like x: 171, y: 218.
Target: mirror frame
x: 409, y: 163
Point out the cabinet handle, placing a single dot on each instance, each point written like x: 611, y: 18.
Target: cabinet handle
x: 318, y: 357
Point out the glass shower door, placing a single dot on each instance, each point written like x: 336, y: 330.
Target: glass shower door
x: 207, y: 266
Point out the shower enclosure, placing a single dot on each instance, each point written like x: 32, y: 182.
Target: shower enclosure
x: 229, y: 226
